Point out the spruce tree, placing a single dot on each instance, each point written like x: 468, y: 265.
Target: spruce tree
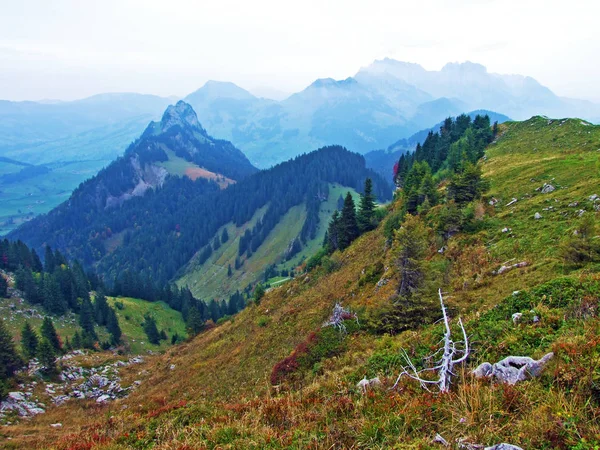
x: 86, y: 318
x: 259, y: 293
x: 76, y: 341
x: 194, y: 322
x: 112, y: 325
x: 101, y: 308
x: 48, y: 332
x: 29, y: 341
x: 46, y: 356
x: 224, y: 236
x: 366, y: 208
x: 3, y: 287
x: 229, y: 271
x: 348, y: 229
x: 9, y: 358
x: 332, y: 235
x: 151, y: 330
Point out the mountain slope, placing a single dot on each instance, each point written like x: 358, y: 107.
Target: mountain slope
x: 218, y: 384
x: 162, y: 221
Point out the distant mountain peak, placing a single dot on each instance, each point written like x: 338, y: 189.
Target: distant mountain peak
x: 330, y: 82
x: 181, y: 114
x: 466, y: 66
x: 221, y: 89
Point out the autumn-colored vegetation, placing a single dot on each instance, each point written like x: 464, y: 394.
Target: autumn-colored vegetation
x: 221, y: 393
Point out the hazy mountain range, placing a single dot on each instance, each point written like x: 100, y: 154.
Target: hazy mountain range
x: 387, y: 101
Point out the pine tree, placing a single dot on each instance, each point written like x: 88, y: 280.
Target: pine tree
x: 224, y: 236
x: 216, y: 243
x: 194, y: 322
x: 3, y: 287
x: 410, y: 243
x: 49, y: 262
x: 76, y: 341
x: 46, y: 356
x: 101, y: 308
x: 29, y: 341
x: 259, y: 293
x: 332, y: 235
x: 348, y: 229
x: 366, y: 208
x: 86, y: 318
x: 112, y: 325
x: 151, y: 330
x: 48, y: 332
x: 229, y: 271
x: 9, y: 358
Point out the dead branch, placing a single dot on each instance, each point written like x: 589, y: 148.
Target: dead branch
x: 452, y: 353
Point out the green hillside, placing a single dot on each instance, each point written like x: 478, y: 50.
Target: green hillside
x: 210, y: 280
x: 130, y: 316
x: 275, y: 378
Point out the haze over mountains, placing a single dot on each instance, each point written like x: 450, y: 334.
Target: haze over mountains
x: 383, y: 103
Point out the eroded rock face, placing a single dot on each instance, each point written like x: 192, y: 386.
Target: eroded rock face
x: 513, y: 369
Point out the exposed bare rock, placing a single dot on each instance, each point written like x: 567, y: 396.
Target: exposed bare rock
x: 547, y: 188
x: 504, y: 269
x: 513, y: 369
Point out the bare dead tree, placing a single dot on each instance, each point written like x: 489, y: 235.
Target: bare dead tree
x: 444, y: 367
x: 338, y: 316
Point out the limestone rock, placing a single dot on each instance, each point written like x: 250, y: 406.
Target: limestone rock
x: 513, y: 369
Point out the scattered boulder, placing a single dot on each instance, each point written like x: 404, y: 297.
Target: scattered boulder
x: 512, y: 202
x: 516, y: 317
x: 56, y: 425
x: 573, y: 205
x: 537, y: 216
x: 547, y: 188
x: 513, y: 369
x: 493, y: 201
x: 592, y: 198
x: 365, y: 383
x: 581, y: 212
x: 504, y: 269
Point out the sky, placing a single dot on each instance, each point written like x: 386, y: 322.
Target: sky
x: 70, y: 49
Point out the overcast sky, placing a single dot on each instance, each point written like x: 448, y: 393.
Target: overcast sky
x: 68, y: 49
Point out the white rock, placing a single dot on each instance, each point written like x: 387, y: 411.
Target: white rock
x: 516, y: 317
x: 56, y: 425
x: 537, y: 216
x: 103, y: 398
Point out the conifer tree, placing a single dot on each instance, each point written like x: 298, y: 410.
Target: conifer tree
x: 224, y: 236
x: 76, y: 341
x: 29, y: 341
x: 332, y: 235
x: 9, y: 358
x: 259, y: 293
x: 151, y: 330
x: 112, y: 325
x: 49, y: 262
x: 48, y: 332
x: 366, y: 208
x: 46, y: 356
x: 194, y: 322
x: 410, y: 243
x: 3, y: 287
x: 229, y: 271
x: 216, y: 243
x: 348, y: 228
x: 86, y: 318
x: 101, y: 308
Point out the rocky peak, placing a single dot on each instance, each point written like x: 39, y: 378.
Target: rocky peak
x: 181, y: 114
